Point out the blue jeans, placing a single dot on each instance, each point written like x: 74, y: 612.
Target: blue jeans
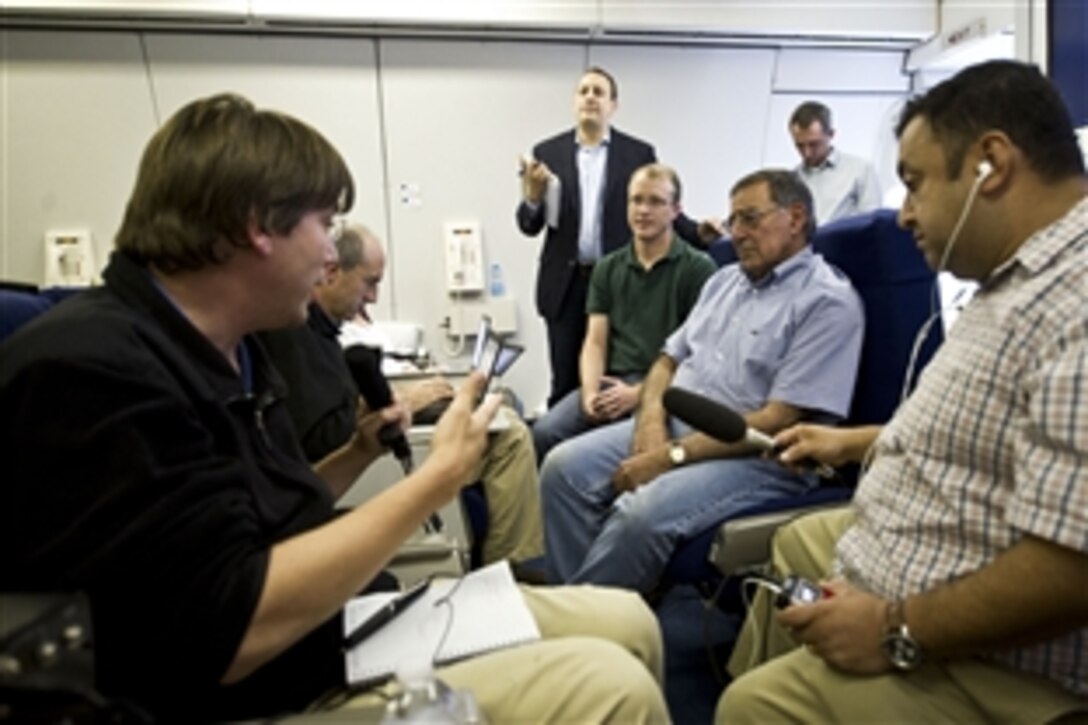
x: 564, y: 420
x: 594, y: 536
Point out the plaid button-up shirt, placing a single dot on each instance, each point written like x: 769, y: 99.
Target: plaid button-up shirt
x: 993, y: 444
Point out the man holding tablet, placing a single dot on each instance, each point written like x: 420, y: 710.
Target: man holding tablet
x: 152, y: 463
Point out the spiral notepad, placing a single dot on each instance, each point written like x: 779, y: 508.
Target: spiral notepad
x: 488, y: 613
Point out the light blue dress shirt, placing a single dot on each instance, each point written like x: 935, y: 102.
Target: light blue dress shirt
x: 592, y: 162
x: 793, y: 336
x: 842, y: 186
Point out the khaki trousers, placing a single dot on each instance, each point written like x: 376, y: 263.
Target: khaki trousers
x: 600, y: 660
x: 796, y: 686
x: 512, y: 488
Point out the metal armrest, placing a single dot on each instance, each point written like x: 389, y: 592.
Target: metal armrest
x: 744, y: 543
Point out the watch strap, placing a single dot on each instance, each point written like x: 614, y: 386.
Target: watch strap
x: 901, y: 648
x: 677, y: 453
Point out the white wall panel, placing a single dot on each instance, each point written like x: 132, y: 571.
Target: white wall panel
x: 76, y: 114
x: 841, y: 71
x: 705, y: 111
x: 458, y: 116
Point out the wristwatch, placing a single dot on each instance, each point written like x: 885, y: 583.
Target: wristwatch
x: 901, y: 648
x: 677, y: 454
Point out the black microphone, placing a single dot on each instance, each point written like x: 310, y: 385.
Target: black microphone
x: 725, y: 424
x: 365, y: 364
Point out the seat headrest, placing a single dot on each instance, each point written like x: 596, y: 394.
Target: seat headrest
x: 18, y: 308
x: 872, y: 246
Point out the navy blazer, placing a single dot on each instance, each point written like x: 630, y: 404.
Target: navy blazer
x: 559, y: 255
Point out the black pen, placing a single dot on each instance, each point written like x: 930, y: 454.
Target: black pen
x: 385, y: 615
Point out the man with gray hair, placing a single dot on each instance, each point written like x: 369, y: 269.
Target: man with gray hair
x: 842, y: 185
x: 323, y: 398
x: 776, y: 337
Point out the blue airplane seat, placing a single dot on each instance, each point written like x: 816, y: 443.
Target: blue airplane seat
x: 21, y: 302
x: 897, y: 291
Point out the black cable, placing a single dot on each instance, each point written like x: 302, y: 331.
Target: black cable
x: 708, y: 608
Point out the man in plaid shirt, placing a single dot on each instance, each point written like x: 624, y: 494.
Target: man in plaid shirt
x: 961, y: 572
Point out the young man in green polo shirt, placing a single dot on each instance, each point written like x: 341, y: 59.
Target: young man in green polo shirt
x: 637, y: 296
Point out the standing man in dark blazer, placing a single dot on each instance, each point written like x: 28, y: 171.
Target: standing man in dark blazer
x: 576, y: 185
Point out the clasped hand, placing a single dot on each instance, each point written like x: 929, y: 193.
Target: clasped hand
x: 615, y: 399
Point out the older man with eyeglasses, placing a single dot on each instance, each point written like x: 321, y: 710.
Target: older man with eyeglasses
x: 776, y: 337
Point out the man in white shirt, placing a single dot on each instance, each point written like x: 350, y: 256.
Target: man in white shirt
x: 588, y: 168
x: 842, y: 185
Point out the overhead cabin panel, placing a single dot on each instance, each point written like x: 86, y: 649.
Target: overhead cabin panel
x: 902, y: 21
x: 152, y: 9
x: 572, y: 14
x: 895, y: 23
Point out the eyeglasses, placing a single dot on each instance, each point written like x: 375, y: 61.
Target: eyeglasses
x: 748, y: 218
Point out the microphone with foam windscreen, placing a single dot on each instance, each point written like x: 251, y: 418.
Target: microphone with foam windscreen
x: 725, y: 424
x: 365, y: 364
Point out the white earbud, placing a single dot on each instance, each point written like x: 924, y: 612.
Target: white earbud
x: 984, y: 169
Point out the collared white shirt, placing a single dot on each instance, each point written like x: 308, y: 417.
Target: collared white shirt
x: 592, y: 162
x: 842, y: 186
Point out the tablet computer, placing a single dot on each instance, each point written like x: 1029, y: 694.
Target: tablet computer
x: 491, y: 355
